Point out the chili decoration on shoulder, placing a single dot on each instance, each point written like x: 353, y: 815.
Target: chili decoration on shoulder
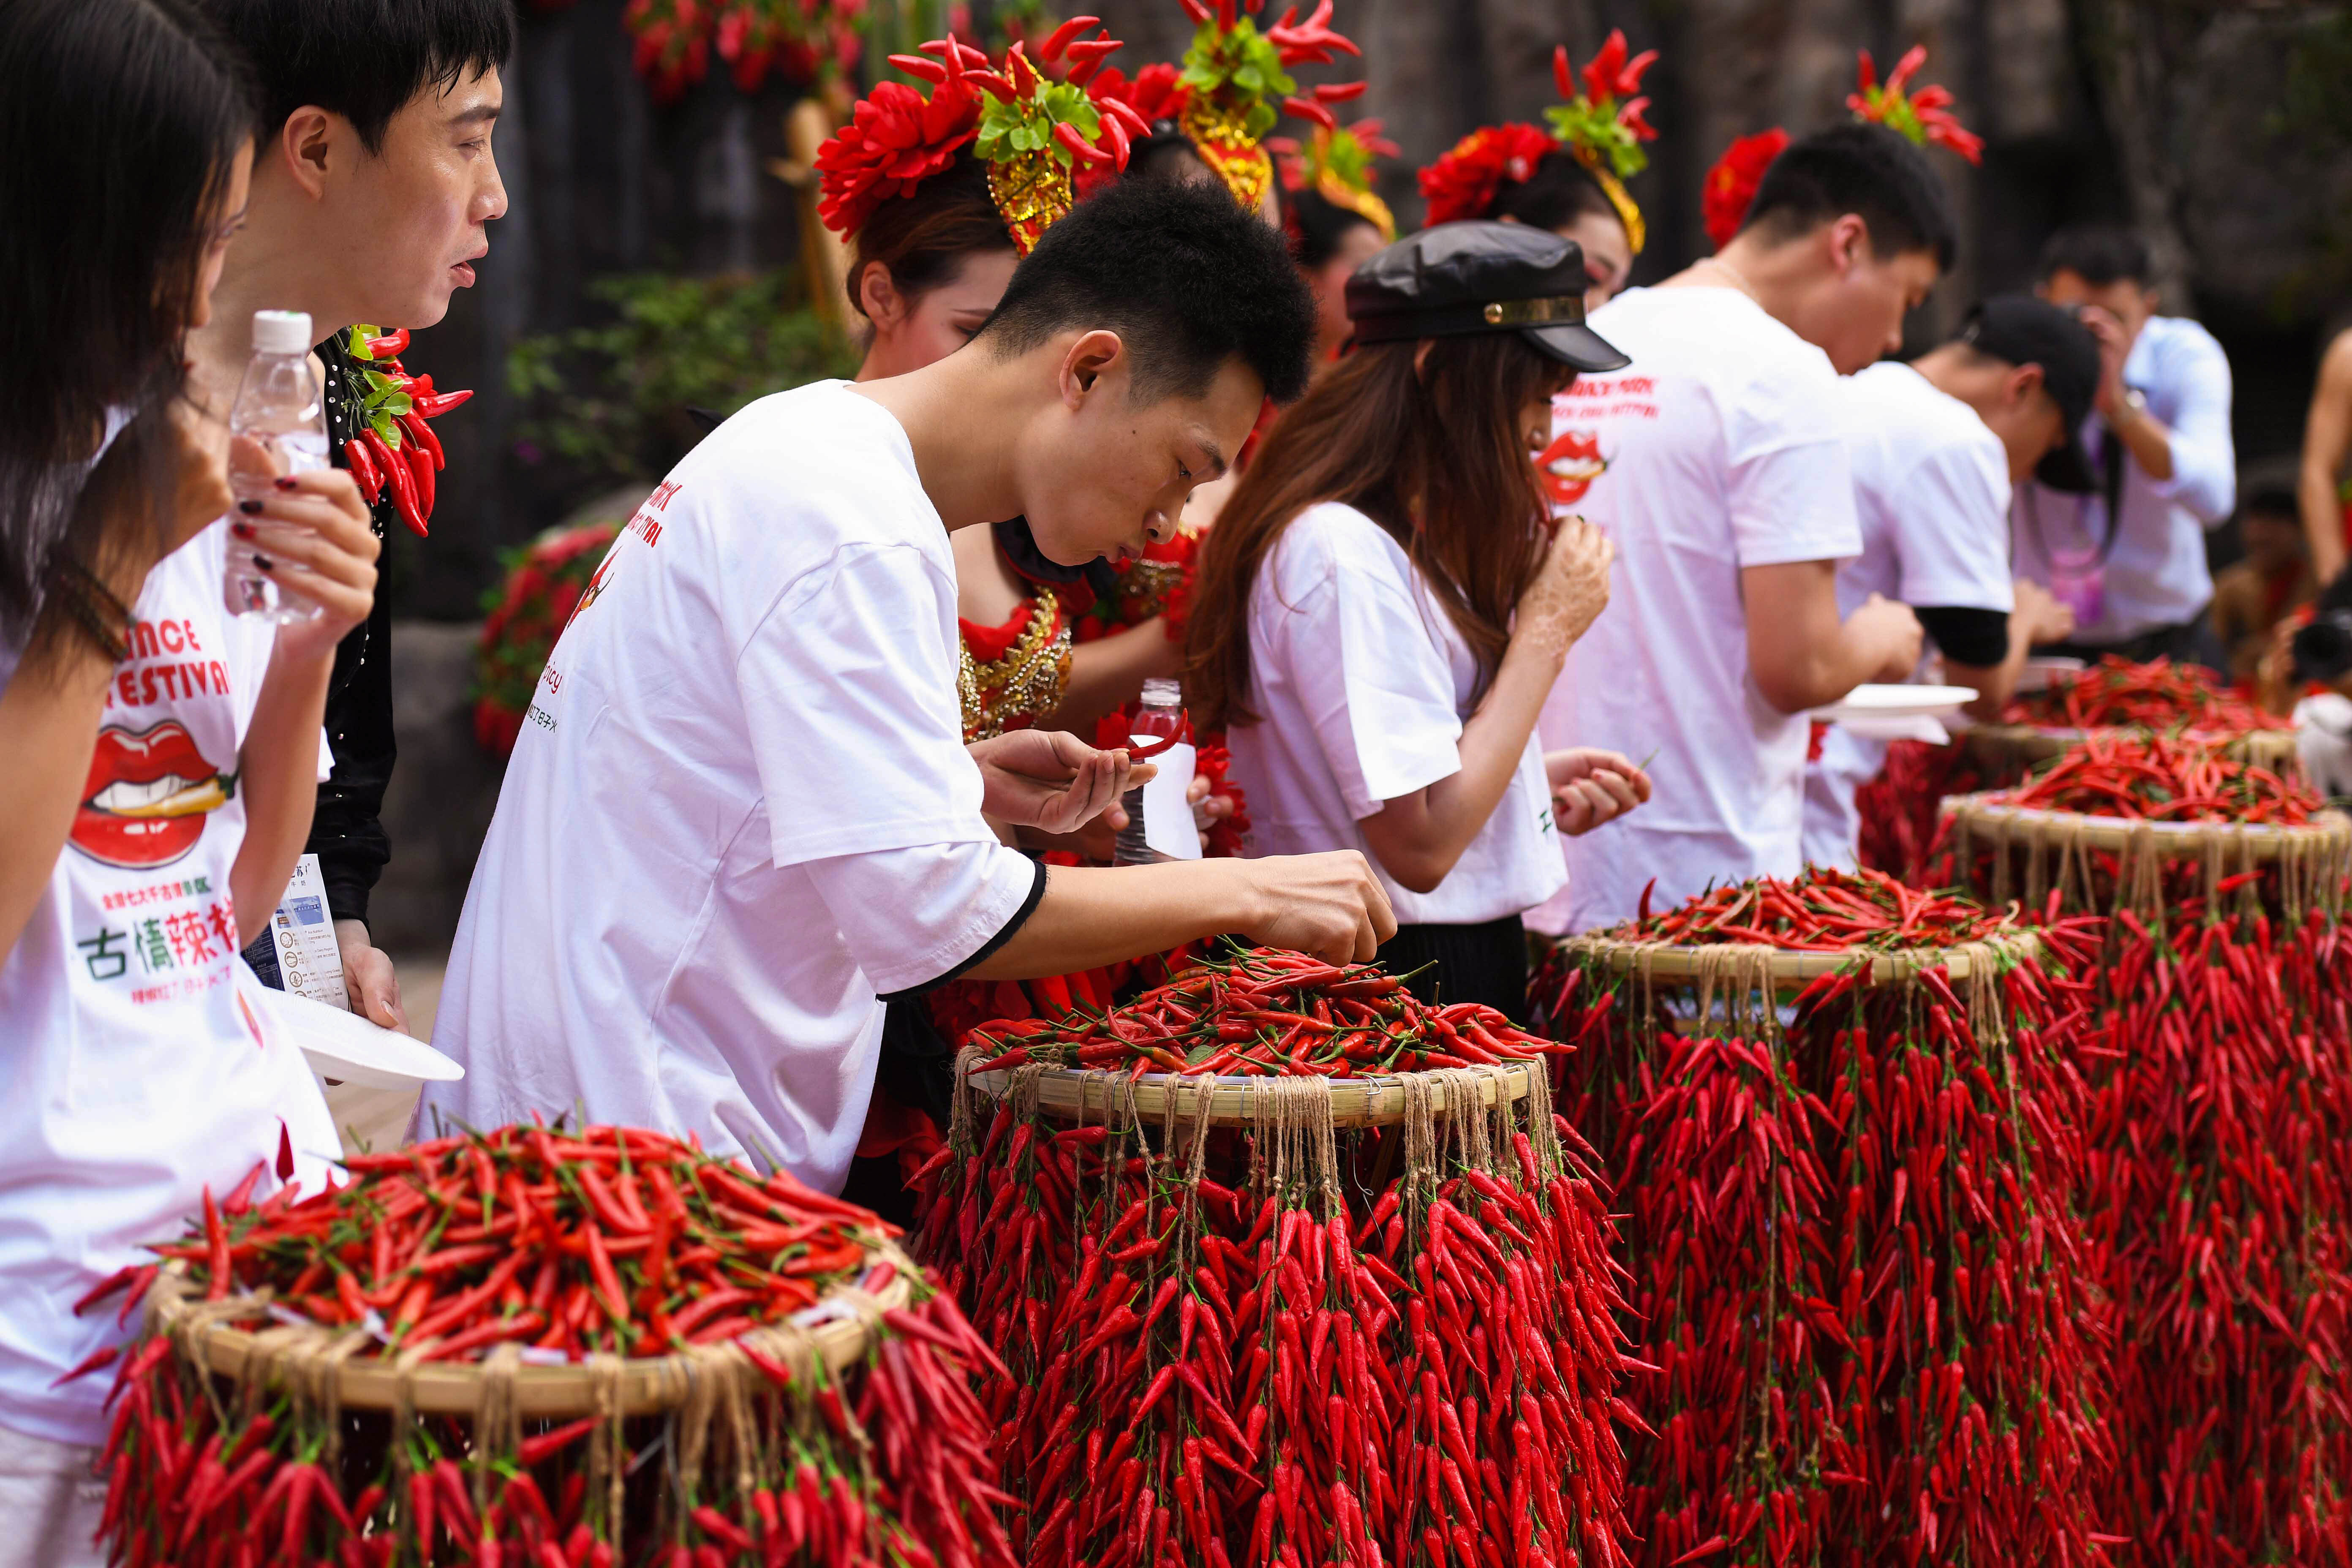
x: 395, y: 449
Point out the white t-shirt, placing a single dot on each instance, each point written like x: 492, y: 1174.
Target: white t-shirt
x: 1716, y: 450
x: 1931, y: 488
x: 740, y: 807
x: 1361, y: 685
x: 142, y: 1070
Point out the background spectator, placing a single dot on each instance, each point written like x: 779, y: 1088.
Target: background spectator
x: 2272, y: 581
x: 2129, y: 559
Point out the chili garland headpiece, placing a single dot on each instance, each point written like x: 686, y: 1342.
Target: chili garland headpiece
x: 1924, y: 116
x: 1033, y: 133
x: 1225, y: 97
x: 1602, y: 127
x: 1335, y: 164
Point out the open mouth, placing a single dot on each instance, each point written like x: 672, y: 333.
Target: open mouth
x: 147, y: 797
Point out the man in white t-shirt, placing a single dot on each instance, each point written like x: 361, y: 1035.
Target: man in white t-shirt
x: 1935, y: 446
x: 742, y: 810
x: 1716, y: 465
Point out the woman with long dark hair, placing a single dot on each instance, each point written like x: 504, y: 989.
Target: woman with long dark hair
x: 1384, y: 605
x: 162, y: 754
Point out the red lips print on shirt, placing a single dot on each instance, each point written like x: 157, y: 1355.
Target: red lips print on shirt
x: 1569, y: 465
x: 148, y: 796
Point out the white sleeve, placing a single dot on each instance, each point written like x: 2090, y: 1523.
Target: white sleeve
x: 1348, y: 632
x: 326, y: 756
x: 848, y: 686
x: 1951, y: 511
x: 2196, y: 392
x: 1790, y: 487
x: 914, y: 916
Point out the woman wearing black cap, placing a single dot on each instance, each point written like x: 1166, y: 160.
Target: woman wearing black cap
x: 1383, y: 605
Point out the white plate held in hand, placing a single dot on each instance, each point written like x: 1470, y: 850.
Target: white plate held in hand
x: 1897, y: 702
x: 344, y: 1045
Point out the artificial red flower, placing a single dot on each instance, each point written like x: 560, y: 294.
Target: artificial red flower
x: 1609, y: 74
x: 1462, y: 184
x: 1155, y: 92
x: 1730, y: 185
x: 1924, y: 116
x: 896, y: 140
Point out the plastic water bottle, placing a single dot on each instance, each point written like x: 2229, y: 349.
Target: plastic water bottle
x: 278, y: 409
x: 1160, y: 719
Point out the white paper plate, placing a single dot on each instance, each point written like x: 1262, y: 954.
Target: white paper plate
x: 2040, y: 674
x: 346, y: 1046
x: 1897, y: 702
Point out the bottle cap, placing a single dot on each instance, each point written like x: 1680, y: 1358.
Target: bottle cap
x: 282, y: 331
x: 1162, y: 693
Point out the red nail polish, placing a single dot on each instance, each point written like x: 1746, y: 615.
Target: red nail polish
x: 248, y: 507
x: 242, y: 530
x: 285, y: 481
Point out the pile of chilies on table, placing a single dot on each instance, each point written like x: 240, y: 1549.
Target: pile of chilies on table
x: 1289, y: 1342
x: 1860, y: 1285
x: 615, y: 1240
x: 2150, y: 778
x: 2217, y: 1182
x: 1898, y: 808
x: 2116, y: 694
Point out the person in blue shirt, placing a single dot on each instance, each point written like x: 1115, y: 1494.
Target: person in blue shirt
x: 2128, y: 558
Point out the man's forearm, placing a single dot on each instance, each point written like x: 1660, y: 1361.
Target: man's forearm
x: 2322, y: 517
x: 2149, y: 442
x: 1094, y: 915
x: 280, y: 776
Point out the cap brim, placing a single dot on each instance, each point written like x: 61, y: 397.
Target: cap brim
x: 2068, y: 469
x: 1579, y: 346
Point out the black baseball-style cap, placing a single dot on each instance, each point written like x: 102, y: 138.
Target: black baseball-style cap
x: 2020, y: 329
x: 1464, y: 277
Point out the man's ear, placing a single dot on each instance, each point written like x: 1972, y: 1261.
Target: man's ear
x: 1848, y: 239
x: 1091, y: 357
x: 307, y: 148
x: 2024, y: 381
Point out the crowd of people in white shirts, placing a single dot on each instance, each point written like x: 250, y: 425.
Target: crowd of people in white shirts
x: 1501, y: 548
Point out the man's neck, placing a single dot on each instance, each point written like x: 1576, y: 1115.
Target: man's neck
x: 963, y: 417
x: 274, y: 264
x: 1775, y: 276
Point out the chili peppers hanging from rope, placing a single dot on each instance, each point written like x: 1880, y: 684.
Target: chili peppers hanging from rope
x: 1866, y: 1331
x: 1295, y: 1342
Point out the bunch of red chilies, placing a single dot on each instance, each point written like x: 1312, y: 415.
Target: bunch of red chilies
x: 2147, y: 778
x: 1253, y: 1360
x: 619, y: 1238
x: 395, y: 448
x: 1267, y: 1013
x: 1823, y: 911
x: 1866, y: 1331
x: 2118, y: 694
x: 2219, y: 1192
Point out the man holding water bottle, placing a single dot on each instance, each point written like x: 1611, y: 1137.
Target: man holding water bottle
x: 373, y: 185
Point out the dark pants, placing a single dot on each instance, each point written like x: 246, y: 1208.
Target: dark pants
x: 2190, y: 642
x: 1485, y: 963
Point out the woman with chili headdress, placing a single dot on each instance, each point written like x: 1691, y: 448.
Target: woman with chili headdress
x: 1570, y: 179
x: 1337, y: 222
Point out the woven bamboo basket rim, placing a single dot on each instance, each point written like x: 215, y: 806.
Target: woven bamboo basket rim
x: 1671, y: 961
x: 2054, y: 740
x: 643, y: 1385
x: 1988, y: 817
x: 1375, y: 1099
